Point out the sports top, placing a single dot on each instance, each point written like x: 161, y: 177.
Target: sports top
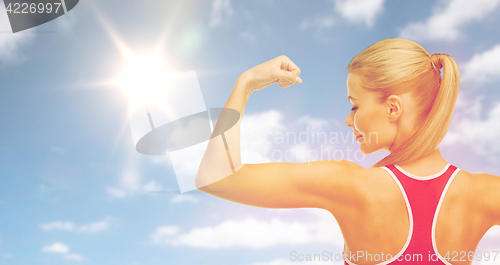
x: 423, y: 197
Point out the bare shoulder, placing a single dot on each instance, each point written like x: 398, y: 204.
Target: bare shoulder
x: 484, y: 177
x: 477, y: 183
x: 481, y: 191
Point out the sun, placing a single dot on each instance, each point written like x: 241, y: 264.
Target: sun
x: 144, y: 77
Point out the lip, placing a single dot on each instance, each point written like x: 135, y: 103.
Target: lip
x: 358, y: 137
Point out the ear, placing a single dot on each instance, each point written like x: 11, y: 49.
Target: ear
x: 394, y: 106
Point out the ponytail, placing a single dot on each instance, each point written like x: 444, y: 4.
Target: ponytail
x: 435, y: 126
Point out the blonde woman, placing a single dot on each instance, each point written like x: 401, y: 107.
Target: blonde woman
x: 410, y: 207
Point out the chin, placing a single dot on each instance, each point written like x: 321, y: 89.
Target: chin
x: 364, y: 151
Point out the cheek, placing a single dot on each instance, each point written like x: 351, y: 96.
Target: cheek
x: 370, y: 124
x: 357, y: 122
x: 363, y: 121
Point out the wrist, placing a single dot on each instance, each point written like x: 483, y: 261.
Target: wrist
x: 245, y: 84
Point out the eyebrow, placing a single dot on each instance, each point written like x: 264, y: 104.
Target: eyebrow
x: 349, y: 98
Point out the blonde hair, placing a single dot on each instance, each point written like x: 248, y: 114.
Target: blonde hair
x: 396, y: 66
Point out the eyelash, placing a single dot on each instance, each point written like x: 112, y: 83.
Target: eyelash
x: 354, y: 108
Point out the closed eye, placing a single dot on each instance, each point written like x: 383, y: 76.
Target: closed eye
x: 354, y: 108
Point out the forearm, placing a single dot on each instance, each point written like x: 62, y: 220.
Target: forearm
x: 222, y: 157
x: 239, y: 97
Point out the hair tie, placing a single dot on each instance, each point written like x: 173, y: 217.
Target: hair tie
x: 436, y: 62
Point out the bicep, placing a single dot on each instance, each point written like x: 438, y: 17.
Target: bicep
x: 316, y: 184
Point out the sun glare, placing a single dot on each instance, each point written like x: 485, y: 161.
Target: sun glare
x: 144, y: 77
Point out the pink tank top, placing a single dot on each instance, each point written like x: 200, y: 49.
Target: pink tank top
x: 423, y: 197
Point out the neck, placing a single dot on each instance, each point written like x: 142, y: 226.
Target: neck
x: 433, y: 162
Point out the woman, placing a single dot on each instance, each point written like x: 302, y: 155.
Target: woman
x: 412, y: 206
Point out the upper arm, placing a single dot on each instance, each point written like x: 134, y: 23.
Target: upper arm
x: 317, y: 184
x: 490, y: 197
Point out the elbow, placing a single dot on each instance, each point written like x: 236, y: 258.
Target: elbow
x: 202, y: 183
x: 217, y: 181
x: 199, y: 183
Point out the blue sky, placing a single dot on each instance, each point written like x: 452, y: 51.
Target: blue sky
x: 73, y: 190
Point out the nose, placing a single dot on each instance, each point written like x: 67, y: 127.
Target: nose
x: 348, y: 121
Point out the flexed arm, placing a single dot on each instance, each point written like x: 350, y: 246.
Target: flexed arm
x: 271, y: 185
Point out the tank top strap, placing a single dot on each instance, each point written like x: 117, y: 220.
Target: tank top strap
x: 425, y: 195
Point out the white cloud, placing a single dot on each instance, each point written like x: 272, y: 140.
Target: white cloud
x: 130, y: 181
x: 257, y: 129
x: 221, y: 12
x: 56, y: 248
x: 316, y: 123
x: 447, y: 20
x: 58, y: 225
x: 10, y: 42
x: 70, y: 226
x: 94, y: 227
x: 479, y: 134
x: 360, y: 11
x: 269, y: 139
x: 484, y: 66
x: 251, y: 232
x: 180, y: 198
x: 158, y: 236
x: 355, y: 11
x: 152, y: 186
x: 256, y: 126
x: 59, y: 248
